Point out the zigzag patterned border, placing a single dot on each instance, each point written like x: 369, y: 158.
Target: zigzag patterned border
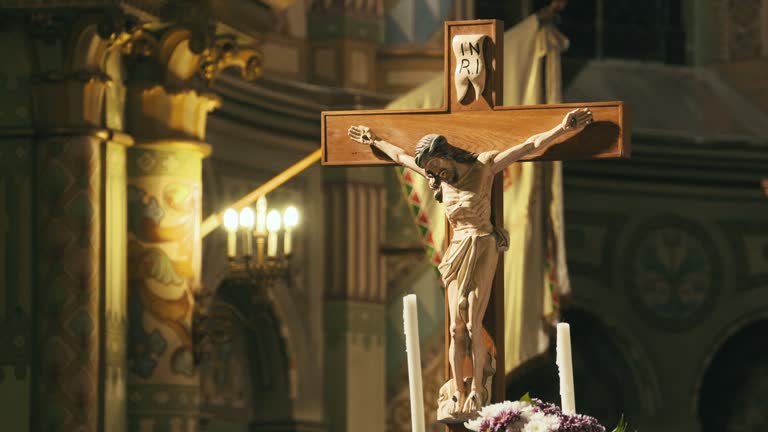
x: 420, y: 217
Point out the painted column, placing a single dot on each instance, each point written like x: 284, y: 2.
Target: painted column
x: 164, y: 215
x: 166, y: 114
x: 355, y: 307
x: 164, y: 177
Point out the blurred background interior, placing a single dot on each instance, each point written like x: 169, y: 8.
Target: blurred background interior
x: 125, y: 124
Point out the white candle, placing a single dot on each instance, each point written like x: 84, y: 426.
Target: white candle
x: 247, y: 243
x: 290, y: 220
x: 273, y: 226
x: 246, y: 223
x: 411, y: 326
x: 287, y: 246
x: 231, y: 244
x: 231, y: 221
x: 272, y: 244
x: 261, y: 215
x: 565, y: 366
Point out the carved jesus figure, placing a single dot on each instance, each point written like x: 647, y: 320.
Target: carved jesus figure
x: 462, y: 181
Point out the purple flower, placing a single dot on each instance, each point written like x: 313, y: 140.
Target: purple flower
x: 501, y: 421
x: 545, y: 407
x: 504, y: 419
x: 579, y: 423
x: 485, y: 425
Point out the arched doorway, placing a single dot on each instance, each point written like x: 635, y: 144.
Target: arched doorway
x: 734, y: 390
x: 245, y: 373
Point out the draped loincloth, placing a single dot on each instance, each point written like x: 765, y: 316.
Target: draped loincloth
x: 460, y: 263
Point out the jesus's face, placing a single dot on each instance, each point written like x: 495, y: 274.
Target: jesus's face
x: 442, y: 168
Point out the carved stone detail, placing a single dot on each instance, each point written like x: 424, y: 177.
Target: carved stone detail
x: 225, y: 52
x: 181, y: 58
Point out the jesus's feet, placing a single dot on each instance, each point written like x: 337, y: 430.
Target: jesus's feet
x: 456, y: 402
x: 472, y: 404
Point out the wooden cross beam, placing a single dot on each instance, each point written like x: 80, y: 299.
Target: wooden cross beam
x: 474, y: 118
x: 480, y: 125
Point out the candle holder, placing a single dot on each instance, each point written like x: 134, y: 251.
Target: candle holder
x: 262, y: 274
x: 256, y: 269
x: 271, y: 233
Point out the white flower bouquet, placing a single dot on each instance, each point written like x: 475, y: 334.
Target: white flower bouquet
x: 533, y: 415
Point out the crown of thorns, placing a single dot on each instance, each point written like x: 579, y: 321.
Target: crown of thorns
x: 426, y: 146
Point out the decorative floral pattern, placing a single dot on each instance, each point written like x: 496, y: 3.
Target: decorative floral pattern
x: 673, y: 271
x: 145, y: 354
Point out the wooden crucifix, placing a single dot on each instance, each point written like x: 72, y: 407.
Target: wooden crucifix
x: 462, y: 149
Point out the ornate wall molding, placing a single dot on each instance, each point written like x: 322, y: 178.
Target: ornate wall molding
x: 180, y: 57
x: 673, y: 272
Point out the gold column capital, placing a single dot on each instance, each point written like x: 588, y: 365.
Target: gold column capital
x: 183, y: 56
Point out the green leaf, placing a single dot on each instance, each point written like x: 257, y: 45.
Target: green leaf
x: 526, y: 398
x: 622, y: 426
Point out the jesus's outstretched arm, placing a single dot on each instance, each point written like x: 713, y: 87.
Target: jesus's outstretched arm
x: 365, y: 135
x: 573, y: 121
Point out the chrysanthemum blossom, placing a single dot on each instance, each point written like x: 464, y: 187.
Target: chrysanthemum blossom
x: 579, y: 423
x: 497, y: 417
x: 540, y: 422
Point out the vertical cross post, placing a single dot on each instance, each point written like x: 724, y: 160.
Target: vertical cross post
x: 474, y: 119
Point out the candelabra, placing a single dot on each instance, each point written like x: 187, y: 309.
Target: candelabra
x: 256, y: 268
x: 272, y: 234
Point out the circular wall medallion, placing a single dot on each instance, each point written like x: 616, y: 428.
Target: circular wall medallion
x: 673, y: 272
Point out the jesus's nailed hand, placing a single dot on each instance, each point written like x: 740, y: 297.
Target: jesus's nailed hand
x: 361, y: 134
x: 577, y: 119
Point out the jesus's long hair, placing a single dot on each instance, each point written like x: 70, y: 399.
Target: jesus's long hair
x: 434, y: 145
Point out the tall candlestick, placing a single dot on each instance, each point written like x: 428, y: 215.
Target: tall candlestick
x: 261, y: 215
x: 565, y: 366
x: 411, y: 326
x: 260, y: 241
